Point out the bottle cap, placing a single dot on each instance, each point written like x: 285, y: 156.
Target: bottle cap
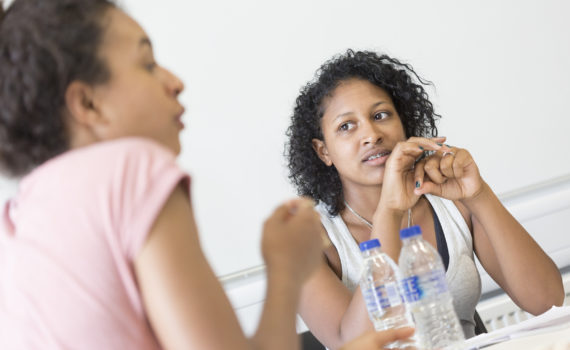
x: 373, y: 243
x: 410, y: 232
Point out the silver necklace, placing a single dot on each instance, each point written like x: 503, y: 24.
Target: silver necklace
x: 368, y: 223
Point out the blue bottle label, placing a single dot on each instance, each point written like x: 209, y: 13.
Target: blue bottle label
x: 383, y: 296
x: 411, y: 289
x: 416, y: 287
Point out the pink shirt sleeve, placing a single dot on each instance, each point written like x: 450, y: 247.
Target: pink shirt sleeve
x: 148, y: 176
x: 71, y: 235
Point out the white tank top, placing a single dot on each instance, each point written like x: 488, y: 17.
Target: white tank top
x: 462, y: 276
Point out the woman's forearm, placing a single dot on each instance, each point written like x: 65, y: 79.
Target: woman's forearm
x: 386, y: 228
x: 531, y: 276
x: 355, y: 320
x: 277, y: 328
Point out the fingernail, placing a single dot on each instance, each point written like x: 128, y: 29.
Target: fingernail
x: 417, y: 184
x: 448, y: 145
x: 421, y: 148
x: 439, y: 144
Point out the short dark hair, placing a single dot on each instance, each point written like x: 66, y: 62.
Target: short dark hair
x: 307, y: 172
x: 44, y: 46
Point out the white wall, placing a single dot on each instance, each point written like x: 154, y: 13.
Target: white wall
x: 501, y: 70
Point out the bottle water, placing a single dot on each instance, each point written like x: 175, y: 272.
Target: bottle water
x: 425, y: 291
x: 380, y: 286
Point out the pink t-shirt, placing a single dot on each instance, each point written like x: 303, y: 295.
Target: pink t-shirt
x: 67, y: 244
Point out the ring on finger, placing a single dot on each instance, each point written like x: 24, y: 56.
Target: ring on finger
x: 446, y: 153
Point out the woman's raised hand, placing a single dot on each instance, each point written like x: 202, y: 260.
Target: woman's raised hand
x: 292, y: 242
x: 399, y: 182
x: 449, y: 173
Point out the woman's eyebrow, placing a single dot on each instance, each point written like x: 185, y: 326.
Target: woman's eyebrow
x: 350, y: 112
x: 377, y: 104
x: 343, y: 115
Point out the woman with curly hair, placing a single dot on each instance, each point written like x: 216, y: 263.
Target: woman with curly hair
x: 363, y: 143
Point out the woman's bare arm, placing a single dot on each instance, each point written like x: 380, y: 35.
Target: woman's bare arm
x: 185, y: 303
x: 332, y: 313
x: 512, y: 257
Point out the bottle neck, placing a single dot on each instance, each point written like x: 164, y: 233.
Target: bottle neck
x: 411, y: 239
x: 370, y: 252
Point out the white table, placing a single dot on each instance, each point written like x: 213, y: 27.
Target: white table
x: 549, y: 331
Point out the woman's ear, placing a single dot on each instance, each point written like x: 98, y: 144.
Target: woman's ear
x: 79, y: 100
x: 321, y: 149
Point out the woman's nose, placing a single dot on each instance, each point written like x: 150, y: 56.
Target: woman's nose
x: 174, y: 85
x: 370, y: 133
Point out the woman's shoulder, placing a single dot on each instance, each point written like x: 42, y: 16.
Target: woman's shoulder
x: 106, y: 154
x: 104, y: 162
x: 132, y: 147
x: 322, y: 209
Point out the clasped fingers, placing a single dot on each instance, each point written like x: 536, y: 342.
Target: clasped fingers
x: 454, y: 161
x: 442, y: 165
x: 406, y: 153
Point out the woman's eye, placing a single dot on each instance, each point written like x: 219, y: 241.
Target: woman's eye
x: 381, y: 115
x: 346, y: 126
x: 150, y: 66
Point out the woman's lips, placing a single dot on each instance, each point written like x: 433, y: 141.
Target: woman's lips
x: 178, y: 120
x: 375, y: 160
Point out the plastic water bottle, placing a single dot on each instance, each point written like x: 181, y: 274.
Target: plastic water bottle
x: 380, y: 286
x: 425, y: 290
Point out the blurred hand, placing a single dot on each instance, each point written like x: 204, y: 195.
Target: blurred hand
x: 450, y: 174
x: 291, y: 242
x: 377, y: 340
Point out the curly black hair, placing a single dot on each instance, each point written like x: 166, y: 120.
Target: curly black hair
x: 44, y: 46
x: 307, y: 172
